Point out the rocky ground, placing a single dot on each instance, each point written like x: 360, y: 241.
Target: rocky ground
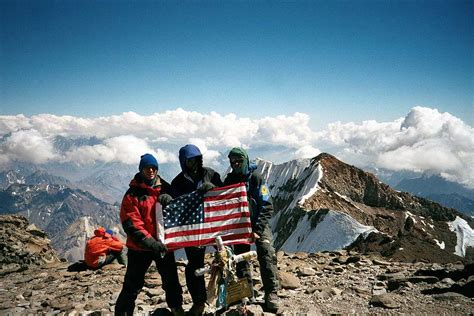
x: 34, y: 281
x: 320, y: 283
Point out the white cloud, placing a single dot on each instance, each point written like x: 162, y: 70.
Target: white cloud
x: 307, y: 151
x: 425, y: 140
x: 125, y: 149
x: 27, y: 145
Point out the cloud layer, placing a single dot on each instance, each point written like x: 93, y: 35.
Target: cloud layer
x: 425, y: 140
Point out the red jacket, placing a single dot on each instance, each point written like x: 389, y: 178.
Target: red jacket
x: 138, y: 211
x: 99, y: 246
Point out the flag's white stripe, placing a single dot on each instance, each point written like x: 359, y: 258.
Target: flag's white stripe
x: 208, y: 225
x: 226, y: 191
x: 208, y: 235
x: 224, y: 201
x: 225, y: 212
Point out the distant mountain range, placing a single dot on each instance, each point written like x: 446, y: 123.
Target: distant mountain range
x: 320, y: 204
x: 436, y: 188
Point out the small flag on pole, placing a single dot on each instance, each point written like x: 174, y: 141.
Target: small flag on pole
x: 194, y: 220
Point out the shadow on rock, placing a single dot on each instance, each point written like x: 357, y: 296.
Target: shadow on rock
x: 465, y: 288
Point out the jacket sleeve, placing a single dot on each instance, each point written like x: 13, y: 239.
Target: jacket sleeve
x: 167, y: 188
x: 216, y: 180
x: 115, y: 245
x: 131, y: 219
x: 264, y: 206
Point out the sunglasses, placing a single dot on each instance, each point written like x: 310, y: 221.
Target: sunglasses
x: 236, y: 161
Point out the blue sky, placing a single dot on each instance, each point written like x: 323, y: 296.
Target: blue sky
x: 333, y: 60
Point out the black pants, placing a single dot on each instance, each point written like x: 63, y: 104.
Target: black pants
x: 196, y: 285
x: 138, y: 264
x: 266, y: 259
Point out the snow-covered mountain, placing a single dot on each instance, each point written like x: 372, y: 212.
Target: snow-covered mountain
x: 10, y: 177
x: 325, y: 204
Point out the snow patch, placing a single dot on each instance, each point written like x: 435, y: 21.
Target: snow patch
x: 440, y: 244
x: 464, y: 233
x: 335, y: 231
x: 411, y: 215
x: 311, y: 186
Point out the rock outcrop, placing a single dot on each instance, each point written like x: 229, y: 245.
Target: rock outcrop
x: 23, y: 245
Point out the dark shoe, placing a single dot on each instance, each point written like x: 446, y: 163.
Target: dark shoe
x: 272, y: 302
x: 178, y: 311
x: 196, y: 310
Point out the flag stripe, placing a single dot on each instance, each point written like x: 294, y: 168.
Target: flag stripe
x: 227, y: 212
x: 239, y: 187
x: 194, y: 220
x: 207, y: 225
x: 226, y: 196
x: 198, y: 238
x: 221, y: 207
x: 225, y: 217
x: 207, y: 230
x: 228, y: 240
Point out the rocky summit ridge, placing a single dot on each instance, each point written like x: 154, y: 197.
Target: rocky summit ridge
x: 336, y: 282
x: 326, y: 204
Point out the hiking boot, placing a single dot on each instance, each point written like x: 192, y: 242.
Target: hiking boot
x: 272, y: 302
x: 196, y: 310
x: 178, y: 311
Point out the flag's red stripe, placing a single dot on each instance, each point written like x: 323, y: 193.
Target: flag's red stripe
x: 225, y: 196
x: 207, y: 230
x: 228, y: 187
x: 224, y: 207
x: 226, y: 217
x: 210, y: 241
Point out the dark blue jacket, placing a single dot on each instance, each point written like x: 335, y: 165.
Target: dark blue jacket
x: 260, y: 202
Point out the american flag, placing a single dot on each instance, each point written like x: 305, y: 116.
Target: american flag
x: 196, y: 220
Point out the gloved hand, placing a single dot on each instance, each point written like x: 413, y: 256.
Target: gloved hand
x: 165, y: 199
x: 155, y: 245
x: 206, y: 186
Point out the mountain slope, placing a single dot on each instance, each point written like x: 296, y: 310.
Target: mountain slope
x: 55, y: 208
x: 341, y: 202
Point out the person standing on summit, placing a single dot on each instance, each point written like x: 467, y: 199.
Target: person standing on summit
x: 138, y: 217
x: 261, y: 210
x: 194, y: 177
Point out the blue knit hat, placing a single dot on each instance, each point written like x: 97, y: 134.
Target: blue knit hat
x: 147, y: 160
